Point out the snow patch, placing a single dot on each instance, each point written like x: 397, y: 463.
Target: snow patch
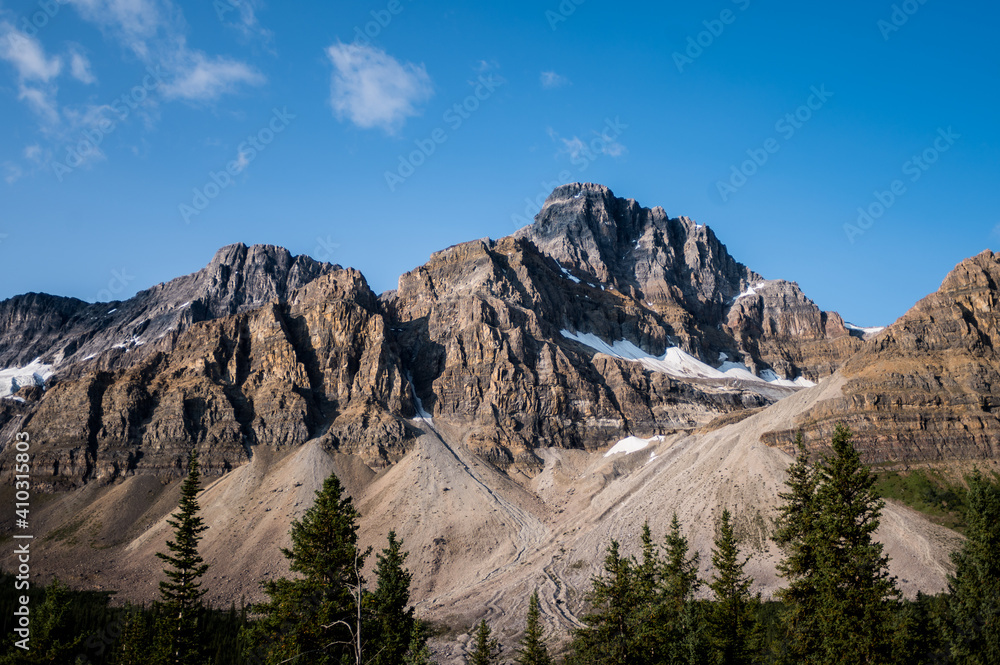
x: 15, y: 398
x: 676, y: 362
x: 568, y: 275
x: 751, y: 291
x: 868, y: 331
x: 631, y: 444
x: 12, y: 379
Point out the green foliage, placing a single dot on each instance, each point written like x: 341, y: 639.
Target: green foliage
x: 391, y: 627
x: 928, y: 492
x: 315, y: 616
x: 51, y: 637
x: 733, y: 634
x: 974, y: 633
x: 487, y: 649
x: 182, y: 592
x: 644, y: 612
x: 841, y: 597
x: 533, y: 650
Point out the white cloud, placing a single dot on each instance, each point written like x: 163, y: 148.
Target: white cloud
x: 79, y: 67
x: 600, y: 144
x: 11, y: 174
x: 373, y: 89
x: 205, y: 79
x: 246, y: 20
x: 41, y: 102
x: 154, y: 30
x: 27, y: 55
x: 551, y: 80
x: 33, y: 152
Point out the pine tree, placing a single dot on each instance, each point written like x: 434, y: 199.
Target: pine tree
x: 418, y: 653
x: 315, y: 616
x: 797, y: 535
x: 733, y: 634
x: 181, y: 593
x: 609, y: 631
x: 679, y: 618
x: 51, y: 640
x: 487, y: 649
x: 975, y: 587
x: 858, y: 598
x: 533, y: 650
x: 393, y: 624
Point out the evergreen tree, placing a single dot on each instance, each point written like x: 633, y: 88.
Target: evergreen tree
x: 533, y: 650
x: 857, y: 595
x: 797, y: 533
x: 487, y: 649
x: 314, y: 617
x: 841, y: 598
x: 181, y: 592
x: 733, y: 636
x: 678, y: 618
x: 608, y: 635
x: 418, y: 653
x: 51, y: 639
x: 392, y: 621
x: 975, y: 587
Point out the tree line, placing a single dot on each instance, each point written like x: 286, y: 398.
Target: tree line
x: 838, y: 605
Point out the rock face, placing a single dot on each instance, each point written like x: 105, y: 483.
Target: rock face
x: 264, y: 349
x: 710, y: 304
x: 928, y: 387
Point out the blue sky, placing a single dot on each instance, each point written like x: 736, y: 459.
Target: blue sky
x: 142, y: 135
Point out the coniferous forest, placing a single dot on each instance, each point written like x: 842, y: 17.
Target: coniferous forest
x: 838, y: 603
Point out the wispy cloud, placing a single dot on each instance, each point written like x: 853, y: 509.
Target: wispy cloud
x: 372, y: 89
x: 241, y: 15
x: 79, y: 66
x: 551, y: 80
x: 576, y: 148
x: 206, y: 79
x: 27, y: 55
x: 154, y: 30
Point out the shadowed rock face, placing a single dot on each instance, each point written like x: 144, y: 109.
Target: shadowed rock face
x: 928, y: 387
x: 261, y: 348
x: 710, y: 303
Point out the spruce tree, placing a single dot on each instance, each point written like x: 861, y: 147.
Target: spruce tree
x: 798, y: 534
x: 418, y: 653
x: 181, y: 592
x: 533, y: 650
x: 733, y: 634
x: 974, y: 633
x: 392, y: 620
x: 858, y: 598
x: 313, y: 618
x: 487, y: 649
x: 679, y: 618
x: 609, y: 632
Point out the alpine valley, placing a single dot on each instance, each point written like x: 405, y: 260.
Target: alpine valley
x: 511, y: 407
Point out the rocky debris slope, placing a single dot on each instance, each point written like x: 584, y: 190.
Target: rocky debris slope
x: 927, y: 388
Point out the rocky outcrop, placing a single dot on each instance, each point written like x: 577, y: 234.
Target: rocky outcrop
x: 928, y: 387
x: 320, y: 365
x: 261, y: 348
x: 710, y: 303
